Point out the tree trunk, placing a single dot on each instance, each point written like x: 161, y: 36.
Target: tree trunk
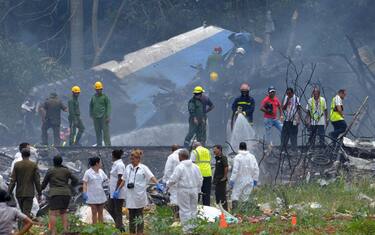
x: 76, y: 35
x: 99, y: 49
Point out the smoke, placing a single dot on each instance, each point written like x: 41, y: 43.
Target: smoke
x: 163, y: 135
x: 242, y: 132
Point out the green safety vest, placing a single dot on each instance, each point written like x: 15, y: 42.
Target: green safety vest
x: 335, y: 116
x: 315, y: 115
x: 203, y: 161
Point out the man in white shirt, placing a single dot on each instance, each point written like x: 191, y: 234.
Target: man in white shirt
x: 316, y: 117
x: 188, y: 180
x: 18, y: 155
x: 244, y: 176
x: 172, y: 162
x: 291, y: 108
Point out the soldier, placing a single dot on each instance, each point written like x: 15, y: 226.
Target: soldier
x: 198, y: 116
x: 76, y: 126
x: 51, y: 118
x: 100, y: 112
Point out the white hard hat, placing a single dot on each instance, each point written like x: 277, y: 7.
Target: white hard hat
x: 240, y: 50
x: 298, y: 47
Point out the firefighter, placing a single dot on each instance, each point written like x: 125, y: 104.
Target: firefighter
x: 244, y: 103
x: 75, y: 123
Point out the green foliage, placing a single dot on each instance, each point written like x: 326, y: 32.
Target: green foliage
x: 361, y: 227
x: 22, y: 68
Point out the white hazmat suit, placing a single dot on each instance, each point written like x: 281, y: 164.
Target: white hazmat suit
x: 245, y: 171
x: 188, y: 180
x: 172, y: 162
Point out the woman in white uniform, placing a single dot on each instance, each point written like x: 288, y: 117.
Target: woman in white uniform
x: 93, y: 191
x: 137, y: 176
x: 117, y: 192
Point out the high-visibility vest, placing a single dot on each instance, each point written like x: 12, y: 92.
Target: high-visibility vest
x: 335, y: 116
x: 203, y: 160
x: 314, y: 114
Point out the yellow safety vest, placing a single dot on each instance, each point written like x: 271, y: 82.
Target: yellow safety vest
x: 315, y: 115
x: 335, y: 116
x: 203, y: 160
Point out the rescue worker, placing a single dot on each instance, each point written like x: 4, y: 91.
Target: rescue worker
x: 100, y: 112
x: 337, y: 114
x: 25, y: 176
x: 76, y: 125
x: 291, y: 107
x: 220, y: 176
x: 117, y: 191
x: 215, y: 61
x: 244, y: 104
x: 245, y: 174
x: 198, y: 110
x: 28, y: 110
x: 188, y: 181
x: 270, y: 105
x: 170, y: 165
x: 51, y: 118
x: 317, y: 117
x: 202, y: 157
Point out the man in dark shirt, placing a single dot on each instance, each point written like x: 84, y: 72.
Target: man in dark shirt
x: 26, y: 176
x: 198, y: 107
x: 244, y: 103
x: 51, y: 118
x: 220, y: 176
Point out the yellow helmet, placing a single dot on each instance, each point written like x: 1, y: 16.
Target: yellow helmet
x: 198, y: 90
x: 76, y: 89
x: 98, y: 85
x: 214, y: 76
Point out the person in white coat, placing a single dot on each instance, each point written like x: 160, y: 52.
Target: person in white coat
x: 172, y: 162
x: 245, y: 174
x: 188, y: 181
x: 137, y: 177
x: 93, y: 191
x: 117, y: 191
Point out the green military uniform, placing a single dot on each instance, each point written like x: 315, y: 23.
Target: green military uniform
x: 196, y: 110
x: 76, y: 126
x: 100, y: 111
x: 58, y: 179
x: 52, y: 107
x: 214, y: 63
x: 26, y: 177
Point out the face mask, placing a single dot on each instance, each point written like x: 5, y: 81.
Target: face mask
x: 244, y: 93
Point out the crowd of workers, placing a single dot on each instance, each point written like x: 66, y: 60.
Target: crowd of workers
x: 187, y: 177
x: 100, y: 112
x: 285, y: 116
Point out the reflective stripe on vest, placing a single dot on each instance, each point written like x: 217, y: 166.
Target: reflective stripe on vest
x: 244, y: 102
x: 203, y: 161
x: 335, y: 116
x: 315, y: 115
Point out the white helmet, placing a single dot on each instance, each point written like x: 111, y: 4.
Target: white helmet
x: 240, y: 50
x: 298, y: 48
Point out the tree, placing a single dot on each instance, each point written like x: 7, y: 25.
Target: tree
x: 76, y: 35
